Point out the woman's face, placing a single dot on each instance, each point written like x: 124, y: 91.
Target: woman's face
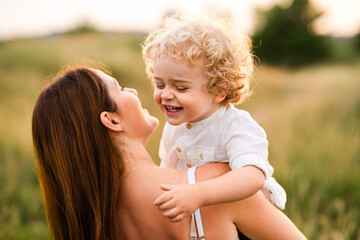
x: 136, y: 121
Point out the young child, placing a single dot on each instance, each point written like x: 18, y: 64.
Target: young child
x: 199, y: 69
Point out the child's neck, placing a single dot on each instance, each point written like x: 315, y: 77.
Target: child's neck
x: 214, y: 110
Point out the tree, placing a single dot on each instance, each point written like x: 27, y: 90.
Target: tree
x: 357, y: 42
x: 287, y: 36
x: 82, y: 27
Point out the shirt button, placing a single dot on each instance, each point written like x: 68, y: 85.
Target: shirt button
x: 188, y: 165
x: 178, y: 149
x: 188, y: 126
x: 201, y: 157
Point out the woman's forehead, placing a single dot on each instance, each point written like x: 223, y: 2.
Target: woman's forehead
x: 105, y: 77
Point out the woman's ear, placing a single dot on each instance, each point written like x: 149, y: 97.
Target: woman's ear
x: 111, y: 121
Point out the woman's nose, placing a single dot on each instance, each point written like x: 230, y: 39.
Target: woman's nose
x: 130, y: 90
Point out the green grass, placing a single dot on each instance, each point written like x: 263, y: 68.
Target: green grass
x: 311, y: 116
x: 313, y: 126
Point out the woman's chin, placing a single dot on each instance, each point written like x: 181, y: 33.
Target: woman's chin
x: 155, y: 122
x: 152, y: 124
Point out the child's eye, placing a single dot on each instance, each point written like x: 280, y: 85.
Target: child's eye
x: 159, y: 85
x: 181, y: 89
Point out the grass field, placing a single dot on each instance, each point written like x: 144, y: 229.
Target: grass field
x: 311, y: 116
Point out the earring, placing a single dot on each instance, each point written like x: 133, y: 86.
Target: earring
x: 122, y: 127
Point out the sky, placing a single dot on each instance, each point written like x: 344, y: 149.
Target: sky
x: 28, y: 18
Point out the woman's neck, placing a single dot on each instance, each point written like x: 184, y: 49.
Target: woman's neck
x: 134, y: 153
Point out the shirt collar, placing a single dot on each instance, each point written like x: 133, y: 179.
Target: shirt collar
x: 212, y: 118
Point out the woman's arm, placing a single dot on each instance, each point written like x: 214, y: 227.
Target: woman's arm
x: 258, y: 218
x: 255, y: 216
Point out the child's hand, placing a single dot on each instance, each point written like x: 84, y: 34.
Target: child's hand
x: 179, y: 201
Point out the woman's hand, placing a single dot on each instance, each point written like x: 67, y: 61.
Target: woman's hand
x: 179, y: 201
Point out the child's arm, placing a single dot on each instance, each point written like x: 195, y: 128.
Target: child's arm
x: 182, y: 200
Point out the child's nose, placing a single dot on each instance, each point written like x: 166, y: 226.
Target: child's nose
x: 131, y: 90
x: 167, y: 94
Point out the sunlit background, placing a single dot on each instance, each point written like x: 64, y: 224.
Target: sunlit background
x: 306, y: 85
x: 21, y: 18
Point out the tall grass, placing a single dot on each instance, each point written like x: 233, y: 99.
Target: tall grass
x: 313, y: 126
x: 311, y: 116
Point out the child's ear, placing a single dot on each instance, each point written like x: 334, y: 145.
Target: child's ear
x: 219, y: 98
x: 222, y: 87
x: 111, y: 121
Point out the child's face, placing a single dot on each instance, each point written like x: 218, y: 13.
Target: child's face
x: 181, y: 90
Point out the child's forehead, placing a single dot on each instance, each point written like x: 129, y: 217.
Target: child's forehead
x: 178, y: 57
x: 167, y: 66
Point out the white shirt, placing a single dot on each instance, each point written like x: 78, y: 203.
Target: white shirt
x: 229, y: 135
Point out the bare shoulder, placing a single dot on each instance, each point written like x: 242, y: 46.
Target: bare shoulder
x: 150, y: 177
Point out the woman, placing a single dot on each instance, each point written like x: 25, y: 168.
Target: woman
x: 99, y: 182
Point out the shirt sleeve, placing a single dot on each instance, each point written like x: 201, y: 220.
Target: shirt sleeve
x: 246, y: 144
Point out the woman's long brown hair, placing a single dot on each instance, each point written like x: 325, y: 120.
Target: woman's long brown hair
x: 79, y: 169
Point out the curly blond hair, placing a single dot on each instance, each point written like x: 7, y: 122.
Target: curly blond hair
x: 229, y: 57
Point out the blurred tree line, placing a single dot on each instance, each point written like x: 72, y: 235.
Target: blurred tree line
x: 357, y: 42
x: 286, y: 37
x: 84, y: 26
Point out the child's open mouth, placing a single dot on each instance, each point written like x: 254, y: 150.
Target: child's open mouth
x: 171, y: 109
